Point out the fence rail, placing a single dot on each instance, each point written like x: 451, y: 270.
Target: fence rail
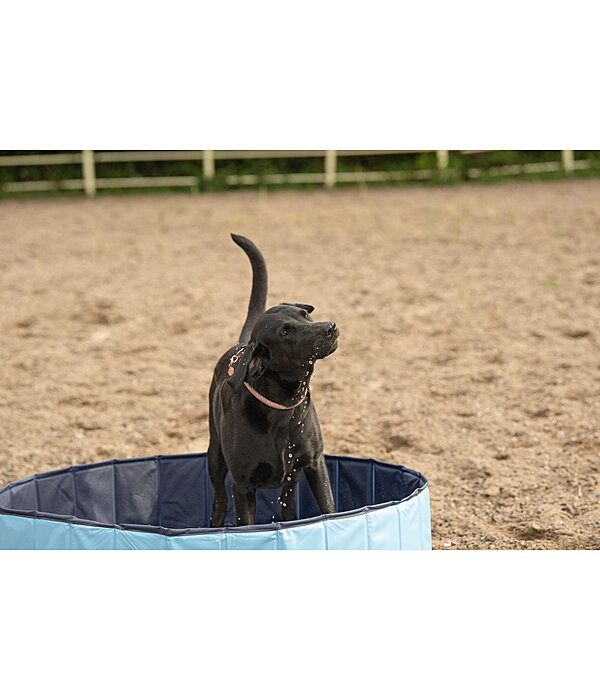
x: 90, y: 183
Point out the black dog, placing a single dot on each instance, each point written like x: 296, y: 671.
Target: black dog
x: 263, y: 425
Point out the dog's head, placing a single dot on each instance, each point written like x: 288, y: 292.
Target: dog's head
x: 285, y: 340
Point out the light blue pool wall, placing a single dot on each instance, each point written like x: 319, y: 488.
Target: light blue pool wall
x: 405, y: 526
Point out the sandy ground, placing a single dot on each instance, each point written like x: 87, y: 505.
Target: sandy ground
x: 469, y: 348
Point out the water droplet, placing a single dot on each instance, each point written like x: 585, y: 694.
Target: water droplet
x: 310, y: 362
x: 290, y: 455
x: 289, y: 478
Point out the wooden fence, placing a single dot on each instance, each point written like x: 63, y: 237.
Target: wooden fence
x: 89, y: 183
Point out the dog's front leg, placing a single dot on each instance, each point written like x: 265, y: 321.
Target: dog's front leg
x: 318, y: 480
x: 288, y: 496
x: 244, y: 502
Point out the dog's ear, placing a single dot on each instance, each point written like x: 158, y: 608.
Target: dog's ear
x: 251, y: 365
x: 261, y: 359
x: 306, y: 307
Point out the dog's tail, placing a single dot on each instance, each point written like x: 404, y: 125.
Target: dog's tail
x: 258, y: 296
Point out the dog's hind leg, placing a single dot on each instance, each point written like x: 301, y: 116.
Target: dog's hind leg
x: 217, y: 469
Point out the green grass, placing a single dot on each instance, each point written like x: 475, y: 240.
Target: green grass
x: 459, y: 165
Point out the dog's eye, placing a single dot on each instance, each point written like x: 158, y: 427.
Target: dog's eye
x: 287, y: 328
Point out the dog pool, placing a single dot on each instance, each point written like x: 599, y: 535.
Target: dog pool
x: 165, y: 502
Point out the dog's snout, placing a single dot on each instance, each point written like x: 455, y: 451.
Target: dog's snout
x: 332, y: 329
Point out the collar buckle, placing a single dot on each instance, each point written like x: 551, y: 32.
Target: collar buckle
x: 233, y: 359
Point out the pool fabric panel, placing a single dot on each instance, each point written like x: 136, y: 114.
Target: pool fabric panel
x: 158, y: 502
x: 136, y: 492
x: 56, y: 493
x: 185, y: 492
x: 95, y: 494
x: 23, y: 495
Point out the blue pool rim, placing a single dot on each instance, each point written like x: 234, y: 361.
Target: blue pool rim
x: 369, y: 513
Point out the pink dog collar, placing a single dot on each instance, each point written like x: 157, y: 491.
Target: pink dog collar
x: 272, y: 404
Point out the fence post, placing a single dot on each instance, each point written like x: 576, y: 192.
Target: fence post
x: 208, y: 164
x: 568, y: 161
x: 89, y: 173
x: 442, y: 159
x: 330, y: 168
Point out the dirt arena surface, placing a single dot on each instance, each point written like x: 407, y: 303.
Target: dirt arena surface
x: 469, y: 320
